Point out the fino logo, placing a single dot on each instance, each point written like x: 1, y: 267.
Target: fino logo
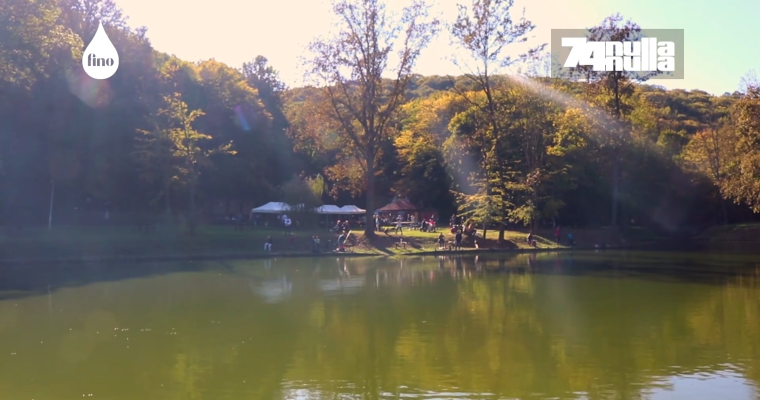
x: 100, y: 59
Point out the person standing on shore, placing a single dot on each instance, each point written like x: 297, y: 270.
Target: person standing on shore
x: 341, y: 242
x: 268, y: 245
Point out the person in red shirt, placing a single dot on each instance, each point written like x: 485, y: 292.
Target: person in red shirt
x: 556, y: 234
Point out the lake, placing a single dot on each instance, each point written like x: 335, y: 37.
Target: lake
x: 582, y: 325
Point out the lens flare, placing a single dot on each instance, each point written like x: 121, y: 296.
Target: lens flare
x: 242, y: 122
x: 95, y: 93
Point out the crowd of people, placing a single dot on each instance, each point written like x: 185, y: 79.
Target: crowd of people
x: 426, y: 223
x: 397, y: 223
x: 341, y: 227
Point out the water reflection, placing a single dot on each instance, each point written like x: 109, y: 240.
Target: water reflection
x: 274, y: 290
x: 568, y: 326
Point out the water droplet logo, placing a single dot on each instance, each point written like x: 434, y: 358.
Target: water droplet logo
x: 100, y: 59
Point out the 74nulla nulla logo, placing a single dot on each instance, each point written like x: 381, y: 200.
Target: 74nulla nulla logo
x: 647, y: 55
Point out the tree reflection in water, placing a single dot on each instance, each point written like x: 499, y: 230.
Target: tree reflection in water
x: 571, y: 326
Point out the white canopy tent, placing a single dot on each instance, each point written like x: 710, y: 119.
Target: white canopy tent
x: 273, y: 207
x: 329, y: 209
x: 353, y: 210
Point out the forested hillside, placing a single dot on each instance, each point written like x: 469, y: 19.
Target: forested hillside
x: 660, y: 181
x: 170, y: 137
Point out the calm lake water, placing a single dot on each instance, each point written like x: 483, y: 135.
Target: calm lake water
x: 553, y: 326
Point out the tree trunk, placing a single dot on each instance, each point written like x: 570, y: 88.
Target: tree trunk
x: 369, y: 225
x: 167, y: 198
x: 502, y: 226
x: 534, y: 197
x: 191, y: 222
x: 725, y: 210
x: 624, y: 210
x: 52, y: 196
x: 615, y: 188
x: 616, y: 162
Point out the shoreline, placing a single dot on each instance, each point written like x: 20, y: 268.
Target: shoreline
x: 117, y: 245
x: 260, y: 256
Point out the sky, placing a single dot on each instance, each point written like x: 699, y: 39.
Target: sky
x: 722, y: 38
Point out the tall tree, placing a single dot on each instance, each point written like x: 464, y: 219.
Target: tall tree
x: 187, y: 149
x: 155, y: 160
x: 743, y: 186
x: 485, y: 30
x: 32, y: 41
x: 612, y: 90
x: 712, y: 152
x: 266, y: 80
x: 351, y: 67
x: 83, y: 16
x: 235, y: 111
x: 424, y: 175
x: 34, y: 49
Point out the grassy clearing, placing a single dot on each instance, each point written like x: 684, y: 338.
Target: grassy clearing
x: 417, y: 242
x: 388, y: 243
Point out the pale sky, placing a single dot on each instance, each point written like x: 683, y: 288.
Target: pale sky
x: 722, y: 38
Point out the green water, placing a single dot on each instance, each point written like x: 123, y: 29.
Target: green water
x: 581, y: 326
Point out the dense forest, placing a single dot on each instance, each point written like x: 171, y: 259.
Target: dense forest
x: 194, y: 140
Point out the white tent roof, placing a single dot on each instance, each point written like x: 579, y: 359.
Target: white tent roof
x: 329, y: 209
x: 297, y: 207
x: 352, y: 210
x: 273, y: 207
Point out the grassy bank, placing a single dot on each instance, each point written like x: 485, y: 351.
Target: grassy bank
x: 169, y: 242
x: 732, y: 233
x: 740, y: 237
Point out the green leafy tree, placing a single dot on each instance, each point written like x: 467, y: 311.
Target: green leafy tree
x: 424, y: 171
x: 612, y: 90
x: 303, y: 195
x: 34, y: 49
x: 235, y: 112
x: 743, y: 185
x: 266, y: 80
x: 187, y: 149
x: 32, y: 41
x: 155, y: 159
x: 712, y: 152
x: 318, y: 187
x: 484, y: 30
